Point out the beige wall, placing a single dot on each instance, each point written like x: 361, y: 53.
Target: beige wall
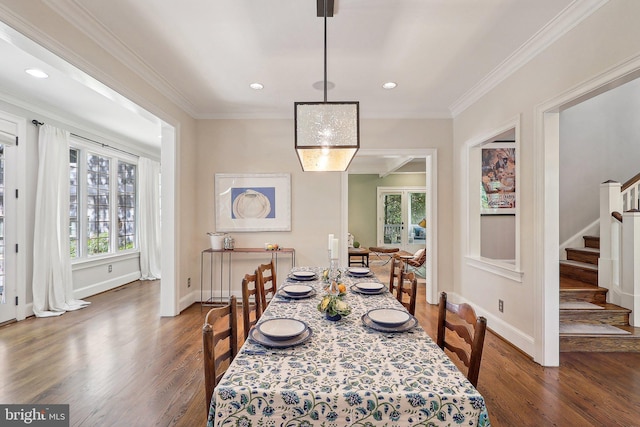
x: 265, y: 146
x: 605, y: 39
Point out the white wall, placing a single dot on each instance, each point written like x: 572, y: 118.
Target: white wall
x: 600, y: 141
x: 604, y: 39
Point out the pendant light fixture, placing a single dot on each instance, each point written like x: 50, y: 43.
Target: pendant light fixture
x: 327, y: 133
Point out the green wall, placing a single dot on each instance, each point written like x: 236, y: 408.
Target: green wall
x: 362, y: 201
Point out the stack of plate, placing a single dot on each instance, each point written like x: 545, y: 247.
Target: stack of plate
x: 359, y: 271
x: 280, y: 332
x: 297, y: 291
x: 369, y: 288
x: 389, y: 320
x: 303, y: 275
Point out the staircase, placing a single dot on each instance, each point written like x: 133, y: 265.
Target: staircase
x: 596, y: 326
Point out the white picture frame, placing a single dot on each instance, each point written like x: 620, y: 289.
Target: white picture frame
x: 253, y: 202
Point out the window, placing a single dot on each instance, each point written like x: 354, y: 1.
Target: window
x: 98, y: 219
x: 126, y: 206
x: 73, y: 202
x: 492, y: 190
x: 107, y: 196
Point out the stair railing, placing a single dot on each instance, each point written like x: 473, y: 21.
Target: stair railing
x: 620, y: 244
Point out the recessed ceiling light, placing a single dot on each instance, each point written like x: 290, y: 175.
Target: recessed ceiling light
x: 37, y: 73
x: 389, y: 85
x: 256, y: 86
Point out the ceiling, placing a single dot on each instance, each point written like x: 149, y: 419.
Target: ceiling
x: 204, y: 54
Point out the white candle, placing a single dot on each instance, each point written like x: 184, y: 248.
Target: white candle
x: 334, y: 248
x: 330, y: 241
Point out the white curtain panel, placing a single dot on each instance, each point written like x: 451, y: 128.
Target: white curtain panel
x: 52, y: 281
x: 149, y: 219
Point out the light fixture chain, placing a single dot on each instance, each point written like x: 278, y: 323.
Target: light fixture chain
x: 325, y: 51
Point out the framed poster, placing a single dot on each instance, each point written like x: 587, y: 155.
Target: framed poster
x: 498, y: 192
x: 253, y: 202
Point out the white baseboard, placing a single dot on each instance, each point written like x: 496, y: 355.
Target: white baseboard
x: 513, y: 335
x: 188, y: 300
x: 96, y: 288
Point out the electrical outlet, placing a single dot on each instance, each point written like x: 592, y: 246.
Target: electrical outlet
x: 501, y: 306
x: 189, y: 282
x: 110, y: 268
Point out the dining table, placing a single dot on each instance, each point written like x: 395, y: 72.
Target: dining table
x: 349, y: 372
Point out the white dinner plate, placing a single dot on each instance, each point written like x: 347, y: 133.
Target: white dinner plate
x: 297, y: 290
x: 359, y: 271
x: 369, y: 286
x: 354, y: 288
x: 303, y: 275
x: 281, y: 329
x: 389, y: 317
x: 412, y: 323
x: 286, y: 296
x: 369, y: 274
x: 257, y: 337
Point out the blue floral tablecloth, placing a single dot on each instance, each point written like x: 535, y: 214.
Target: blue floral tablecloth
x: 345, y: 375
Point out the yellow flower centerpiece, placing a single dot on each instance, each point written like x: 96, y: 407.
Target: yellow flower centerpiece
x: 333, y: 306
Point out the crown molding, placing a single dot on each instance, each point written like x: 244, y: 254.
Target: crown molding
x: 279, y: 115
x: 83, y: 128
x: 78, y: 16
x: 64, y: 59
x: 566, y: 20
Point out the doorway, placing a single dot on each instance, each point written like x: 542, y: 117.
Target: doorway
x: 401, y: 218
x: 429, y: 161
x: 12, y: 287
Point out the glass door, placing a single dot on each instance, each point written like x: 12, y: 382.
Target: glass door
x: 401, y: 218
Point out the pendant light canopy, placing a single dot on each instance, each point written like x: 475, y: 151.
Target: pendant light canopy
x: 327, y: 133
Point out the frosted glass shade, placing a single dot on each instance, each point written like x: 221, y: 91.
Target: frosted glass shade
x: 327, y: 134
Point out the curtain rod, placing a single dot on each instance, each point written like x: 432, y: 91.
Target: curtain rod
x: 37, y: 123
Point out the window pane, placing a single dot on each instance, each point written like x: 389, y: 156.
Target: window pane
x: 73, y: 203
x: 126, y: 206
x: 98, y: 220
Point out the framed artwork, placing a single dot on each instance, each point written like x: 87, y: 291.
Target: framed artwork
x: 498, y: 192
x: 253, y: 202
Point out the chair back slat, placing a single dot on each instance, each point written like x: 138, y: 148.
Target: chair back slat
x: 251, y: 302
x: 268, y: 282
x: 466, y: 327
x: 219, y: 344
x: 396, y: 274
x: 408, y: 288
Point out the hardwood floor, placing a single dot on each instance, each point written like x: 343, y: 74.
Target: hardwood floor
x: 117, y: 363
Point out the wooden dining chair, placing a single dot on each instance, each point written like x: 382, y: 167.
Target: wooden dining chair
x: 465, y: 326
x: 407, y: 292
x: 219, y: 344
x: 267, y: 281
x: 251, y: 302
x: 396, y: 274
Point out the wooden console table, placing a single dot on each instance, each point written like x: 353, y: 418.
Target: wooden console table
x: 229, y: 253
